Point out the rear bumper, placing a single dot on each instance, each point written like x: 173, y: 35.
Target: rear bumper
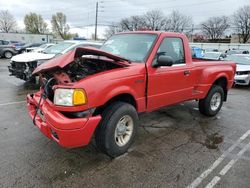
x: 67, y: 132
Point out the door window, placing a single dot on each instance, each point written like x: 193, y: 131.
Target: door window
x: 172, y: 47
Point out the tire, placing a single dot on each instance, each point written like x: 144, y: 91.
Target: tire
x: 212, y: 103
x: 111, y: 129
x: 8, y: 54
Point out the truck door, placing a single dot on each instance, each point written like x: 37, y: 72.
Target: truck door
x: 169, y: 84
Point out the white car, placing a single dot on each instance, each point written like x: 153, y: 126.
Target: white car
x: 242, y: 76
x: 23, y: 65
x: 40, y: 48
x: 213, y: 55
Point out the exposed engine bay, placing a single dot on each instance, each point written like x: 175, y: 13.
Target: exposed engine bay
x: 80, y: 68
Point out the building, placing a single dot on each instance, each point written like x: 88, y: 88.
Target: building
x: 26, y: 37
x: 235, y: 39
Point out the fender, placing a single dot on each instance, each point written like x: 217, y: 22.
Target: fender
x: 140, y: 102
x: 211, y: 74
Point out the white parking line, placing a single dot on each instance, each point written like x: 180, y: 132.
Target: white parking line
x: 233, y: 161
x: 226, y: 168
x: 199, y: 179
x: 11, y: 103
x: 214, y: 181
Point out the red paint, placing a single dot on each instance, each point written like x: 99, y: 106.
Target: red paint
x: 151, y: 88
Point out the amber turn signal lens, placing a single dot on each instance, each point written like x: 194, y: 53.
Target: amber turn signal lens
x: 79, y: 97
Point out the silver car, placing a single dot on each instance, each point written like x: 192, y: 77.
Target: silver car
x: 242, y: 76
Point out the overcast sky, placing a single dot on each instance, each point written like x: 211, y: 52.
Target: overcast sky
x: 81, y: 13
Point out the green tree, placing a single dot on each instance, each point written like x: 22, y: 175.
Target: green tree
x: 35, y: 24
x: 60, y: 26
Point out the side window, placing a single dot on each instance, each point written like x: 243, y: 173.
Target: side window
x: 5, y: 42
x: 172, y: 47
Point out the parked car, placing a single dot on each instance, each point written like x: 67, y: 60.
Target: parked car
x: 9, y: 43
x: 22, y: 65
x: 17, y: 43
x: 40, y: 48
x: 236, y: 51
x: 22, y: 49
x: 7, y: 50
x: 214, y: 55
x: 242, y: 76
x: 89, y: 91
x: 211, y: 50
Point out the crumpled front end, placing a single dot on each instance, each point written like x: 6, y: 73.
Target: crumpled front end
x: 22, y: 70
x: 66, y: 131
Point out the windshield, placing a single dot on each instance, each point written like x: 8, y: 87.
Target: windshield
x: 243, y: 60
x: 134, y: 47
x: 58, y: 48
x: 211, y: 55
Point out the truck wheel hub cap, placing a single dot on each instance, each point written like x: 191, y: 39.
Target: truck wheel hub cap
x: 215, y: 101
x: 124, y: 130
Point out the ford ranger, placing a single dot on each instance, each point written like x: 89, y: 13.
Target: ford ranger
x: 100, y: 92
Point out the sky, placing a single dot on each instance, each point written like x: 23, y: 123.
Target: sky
x: 81, y: 13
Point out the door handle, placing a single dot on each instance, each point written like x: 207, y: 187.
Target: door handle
x: 186, y: 72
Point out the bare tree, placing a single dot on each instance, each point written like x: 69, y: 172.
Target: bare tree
x: 7, y: 21
x: 215, y: 27
x: 132, y: 23
x: 241, y: 22
x: 35, y: 24
x: 154, y: 20
x: 111, y: 31
x: 178, y: 22
x: 60, y: 26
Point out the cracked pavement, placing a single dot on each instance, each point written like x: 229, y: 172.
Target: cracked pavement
x: 173, y: 147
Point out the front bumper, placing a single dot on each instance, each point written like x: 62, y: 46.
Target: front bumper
x: 242, y: 79
x: 22, y: 70
x: 67, y: 132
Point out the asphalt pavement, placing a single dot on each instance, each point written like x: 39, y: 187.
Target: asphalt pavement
x: 175, y: 147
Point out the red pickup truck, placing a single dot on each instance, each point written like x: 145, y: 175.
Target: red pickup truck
x: 100, y: 92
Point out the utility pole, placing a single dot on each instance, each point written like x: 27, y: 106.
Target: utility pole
x: 192, y: 31
x: 96, y: 17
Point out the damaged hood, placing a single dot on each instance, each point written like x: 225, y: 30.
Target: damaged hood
x: 31, y: 56
x: 69, y: 57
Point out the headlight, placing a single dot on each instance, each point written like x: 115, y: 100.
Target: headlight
x: 69, y: 97
x: 39, y: 62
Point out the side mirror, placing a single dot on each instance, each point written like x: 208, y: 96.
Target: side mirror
x: 164, y: 60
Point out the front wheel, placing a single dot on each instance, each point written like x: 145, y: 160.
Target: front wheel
x: 117, y: 130
x: 212, y: 103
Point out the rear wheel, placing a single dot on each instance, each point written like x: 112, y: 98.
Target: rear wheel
x: 212, y: 103
x: 8, y: 54
x: 116, y: 132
